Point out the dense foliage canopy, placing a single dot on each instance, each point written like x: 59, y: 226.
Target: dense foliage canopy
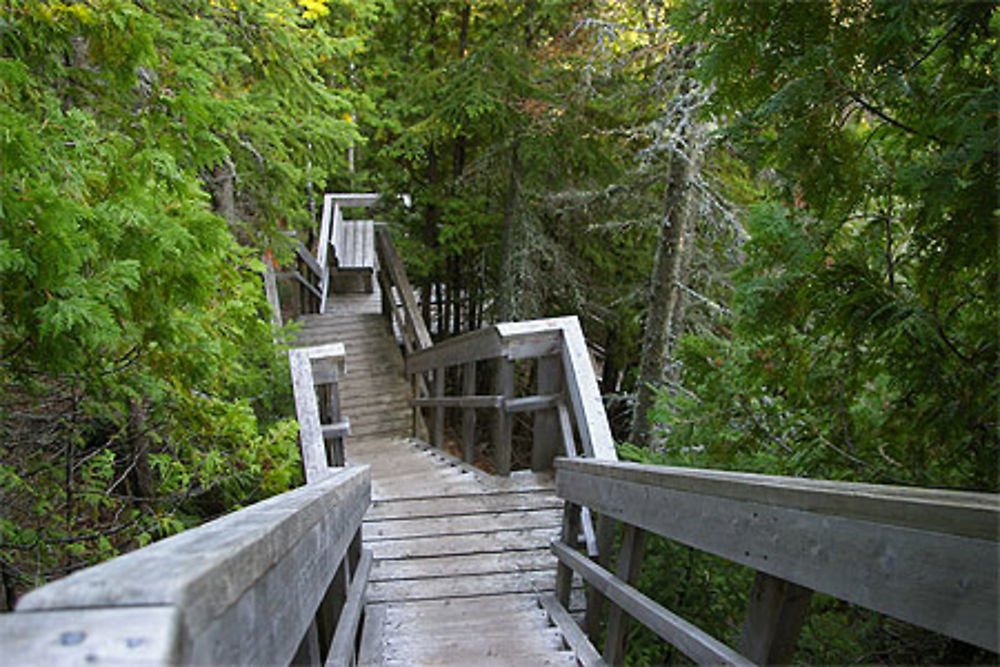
x: 140, y: 140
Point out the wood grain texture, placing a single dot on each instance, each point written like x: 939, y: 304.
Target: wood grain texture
x: 689, y: 639
x: 916, y: 554
x: 246, y: 586
x: 148, y: 635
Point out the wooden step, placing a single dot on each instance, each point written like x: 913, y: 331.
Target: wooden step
x: 449, y: 566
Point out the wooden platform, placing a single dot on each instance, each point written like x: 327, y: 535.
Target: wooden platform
x: 460, y: 556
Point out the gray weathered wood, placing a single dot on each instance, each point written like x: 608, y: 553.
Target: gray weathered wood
x: 566, y: 430
x: 564, y: 575
x: 308, y: 652
x: 532, y: 403
x: 437, y: 428
x: 307, y: 413
x: 571, y: 632
x: 775, y: 614
x: 926, y: 557
x: 474, y: 402
x: 581, y: 384
x: 271, y: 289
x: 627, y: 570
x: 605, y: 537
x: 504, y: 425
x: 245, y: 587
x: 146, y: 635
x: 689, y: 639
x: 372, y: 637
x: 353, y: 199
x: 310, y: 261
x: 346, y: 634
x: 390, y: 263
x: 473, y: 346
x: 338, y: 430
x: 545, y: 429
x: 468, y: 413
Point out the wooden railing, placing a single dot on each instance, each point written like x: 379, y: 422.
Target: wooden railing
x: 567, y: 392
x: 925, y: 556
x: 280, y: 582
x: 331, y: 234
x: 316, y: 372
x: 399, y: 305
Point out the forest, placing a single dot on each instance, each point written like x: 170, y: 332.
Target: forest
x: 777, y: 222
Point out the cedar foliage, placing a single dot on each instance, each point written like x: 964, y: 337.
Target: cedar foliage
x: 142, y: 391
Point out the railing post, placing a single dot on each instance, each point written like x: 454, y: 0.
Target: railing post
x: 469, y: 414
x: 775, y: 613
x: 595, y: 600
x: 545, y: 430
x: 627, y: 569
x: 437, y: 432
x: 504, y: 423
x: 570, y: 531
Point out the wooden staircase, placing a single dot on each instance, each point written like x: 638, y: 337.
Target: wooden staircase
x: 460, y: 556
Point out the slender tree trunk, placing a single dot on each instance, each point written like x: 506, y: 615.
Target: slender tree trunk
x: 505, y: 301
x: 8, y: 595
x: 141, y: 476
x: 664, y: 293
x: 222, y: 185
x: 430, y: 229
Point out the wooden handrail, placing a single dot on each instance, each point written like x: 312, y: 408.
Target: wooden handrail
x: 321, y: 444
x: 394, y: 281
x: 925, y: 556
x: 249, y: 588
x: 561, y: 337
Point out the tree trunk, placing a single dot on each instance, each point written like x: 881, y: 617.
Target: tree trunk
x: 223, y: 189
x: 141, y: 475
x: 664, y: 293
x: 505, y: 300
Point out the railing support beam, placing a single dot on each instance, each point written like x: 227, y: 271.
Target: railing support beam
x: 469, y: 414
x: 775, y: 614
x: 546, y: 422
x: 504, y: 427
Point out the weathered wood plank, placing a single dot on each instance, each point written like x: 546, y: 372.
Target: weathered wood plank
x: 959, y: 513
x: 627, y: 570
x: 346, y: 634
x: 775, y: 614
x: 246, y: 586
x: 466, y: 564
x: 475, y: 523
x: 352, y: 199
x: 689, y: 639
x: 372, y: 648
x: 585, y: 652
x: 860, y: 543
x: 505, y: 540
x: 584, y: 393
x: 531, y: 403
x: 468, y: 413
x: 390, y: 263
x: 148, y: 635
x: 475, y: 402
x: 307, y: 413
x: 485, y: 503
x: 310, y: 261
x: 271, y: 289
x: 545, y: 427
x: 461, y: 586
x: 503, y: 427
x: 472, y: 346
